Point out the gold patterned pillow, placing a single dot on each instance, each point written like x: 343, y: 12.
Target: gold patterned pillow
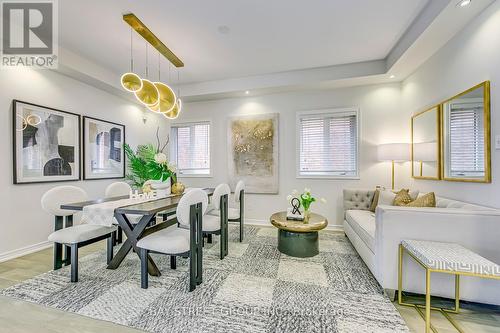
x: 374, y: 204
x: 426, y: 200
x: 402, y: 198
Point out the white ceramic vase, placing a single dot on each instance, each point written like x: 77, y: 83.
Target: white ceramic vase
x: 162, y: 188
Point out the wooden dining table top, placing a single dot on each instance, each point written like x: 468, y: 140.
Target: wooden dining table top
x: 142, y: 208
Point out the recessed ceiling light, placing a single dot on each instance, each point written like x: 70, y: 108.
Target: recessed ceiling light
x: 464, y: 3
x: 223, y: 29
x: 247, y: 92
x: 392, y: 76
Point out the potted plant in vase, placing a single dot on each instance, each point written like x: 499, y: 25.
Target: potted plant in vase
x: 150, y: 170
x: 305, y: 199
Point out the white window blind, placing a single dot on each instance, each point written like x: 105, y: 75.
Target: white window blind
x: 328, y: 144
x: 466, y: 140
x: 191, y: 148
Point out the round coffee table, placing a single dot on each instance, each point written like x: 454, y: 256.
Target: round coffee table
x: 296, y: 238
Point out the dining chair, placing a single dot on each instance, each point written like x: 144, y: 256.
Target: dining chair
x: 119, y: 189
x: 72, y: 236
x: 235, y: 214
x: 217, y: 224
x: 183, y: 241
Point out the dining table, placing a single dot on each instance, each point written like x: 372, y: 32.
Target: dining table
x: 146, y: 225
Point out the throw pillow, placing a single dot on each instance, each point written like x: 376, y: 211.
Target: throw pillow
x: 426, y: 200
x: 386, y: 197
x: 375, y: 200
x: 402, y: 198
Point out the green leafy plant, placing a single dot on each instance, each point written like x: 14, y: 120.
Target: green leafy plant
x: 306, y: 198
x: 148, y: 163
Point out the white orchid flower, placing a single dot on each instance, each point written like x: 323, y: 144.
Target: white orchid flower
x: 307, y: 190
x: 295, y: 192
x: 172, y: 167
x: 289, y: 197
x: 161, y: 158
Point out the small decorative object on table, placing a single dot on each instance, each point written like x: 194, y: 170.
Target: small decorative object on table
x: 150, y: 169
x: 297, y: 201
x: 178, y: 188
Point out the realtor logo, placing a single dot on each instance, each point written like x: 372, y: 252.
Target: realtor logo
x: 29, y: 34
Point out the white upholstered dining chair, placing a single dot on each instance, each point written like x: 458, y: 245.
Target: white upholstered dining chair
x: 216, y: 224
x: 183, y: 241
x: 235, y: 214
x: 69, y: 235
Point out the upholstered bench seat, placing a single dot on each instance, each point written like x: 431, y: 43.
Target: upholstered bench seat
x: 79, y: 233
x: 363, y: 223
x: 450, y: 257
x: 169, y: 240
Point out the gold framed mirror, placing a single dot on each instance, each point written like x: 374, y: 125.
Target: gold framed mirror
x: 465, y: 136
x: 425, y: 144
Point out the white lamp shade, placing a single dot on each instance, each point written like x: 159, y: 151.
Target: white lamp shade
x: 398, y: 152
x: 425, y: 151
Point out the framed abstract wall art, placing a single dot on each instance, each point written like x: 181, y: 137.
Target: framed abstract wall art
x: 103, y: 154
x: 253, y: 152
x: 46, y: 144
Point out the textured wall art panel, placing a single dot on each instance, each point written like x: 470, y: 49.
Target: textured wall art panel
x: 253, y: 152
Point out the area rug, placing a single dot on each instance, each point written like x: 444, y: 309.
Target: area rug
x: 254, y: 289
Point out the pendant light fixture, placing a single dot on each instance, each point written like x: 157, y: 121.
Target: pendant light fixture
x: 174, y: 113
x: 148, y: 94
x: 166, y: 101
x: 131, y: 81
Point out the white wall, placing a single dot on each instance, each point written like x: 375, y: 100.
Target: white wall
x: 468, y: 59
x: 23, y: 223
x: 382, y: 121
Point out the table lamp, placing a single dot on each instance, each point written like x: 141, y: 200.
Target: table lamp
x: 424, y: 152
x: 394, y: 152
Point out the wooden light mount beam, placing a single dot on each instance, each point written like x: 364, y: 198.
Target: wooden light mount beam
x: 150, y: 37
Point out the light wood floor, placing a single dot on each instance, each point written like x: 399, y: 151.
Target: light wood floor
x: 18, y: 316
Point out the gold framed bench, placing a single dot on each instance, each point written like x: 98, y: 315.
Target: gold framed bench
x: 449, y: 258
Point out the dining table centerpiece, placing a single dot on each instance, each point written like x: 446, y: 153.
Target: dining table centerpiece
x: 149, y: 169
x: 304, y: 200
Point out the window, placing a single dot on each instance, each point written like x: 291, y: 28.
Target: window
x: 328, y: 144
x: 466, y: 139
x: 190, y: 148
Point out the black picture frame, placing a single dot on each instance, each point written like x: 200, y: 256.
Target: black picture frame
x: 85, y: 158
x: 18, y: 177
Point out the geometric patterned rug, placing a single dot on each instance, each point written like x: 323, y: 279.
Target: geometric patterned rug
x: 254, y: 289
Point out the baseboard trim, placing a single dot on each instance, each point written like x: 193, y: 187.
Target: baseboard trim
x: 266, y: 223
x: 24, y: 251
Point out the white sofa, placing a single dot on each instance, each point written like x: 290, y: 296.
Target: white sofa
x: 376, y: 237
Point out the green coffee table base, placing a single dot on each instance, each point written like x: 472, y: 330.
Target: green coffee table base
x: 298, y: 244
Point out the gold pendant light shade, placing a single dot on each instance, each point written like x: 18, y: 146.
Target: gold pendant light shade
x: 131, y: 82
x: 174, y: 113
x: 167, y: 99
x: 148, y: 94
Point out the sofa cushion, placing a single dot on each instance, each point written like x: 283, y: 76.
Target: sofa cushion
x: 363, y: 223
x: 449, y: 203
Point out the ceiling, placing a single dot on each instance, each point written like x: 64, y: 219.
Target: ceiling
x: 264, y: 36
x: 265, y: 46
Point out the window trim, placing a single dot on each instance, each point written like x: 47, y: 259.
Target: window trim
x: 300, y: 114
x: 210, y: 145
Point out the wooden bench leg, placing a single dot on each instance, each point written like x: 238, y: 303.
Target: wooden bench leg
x: 144, y: 268
x: 74, y: 262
